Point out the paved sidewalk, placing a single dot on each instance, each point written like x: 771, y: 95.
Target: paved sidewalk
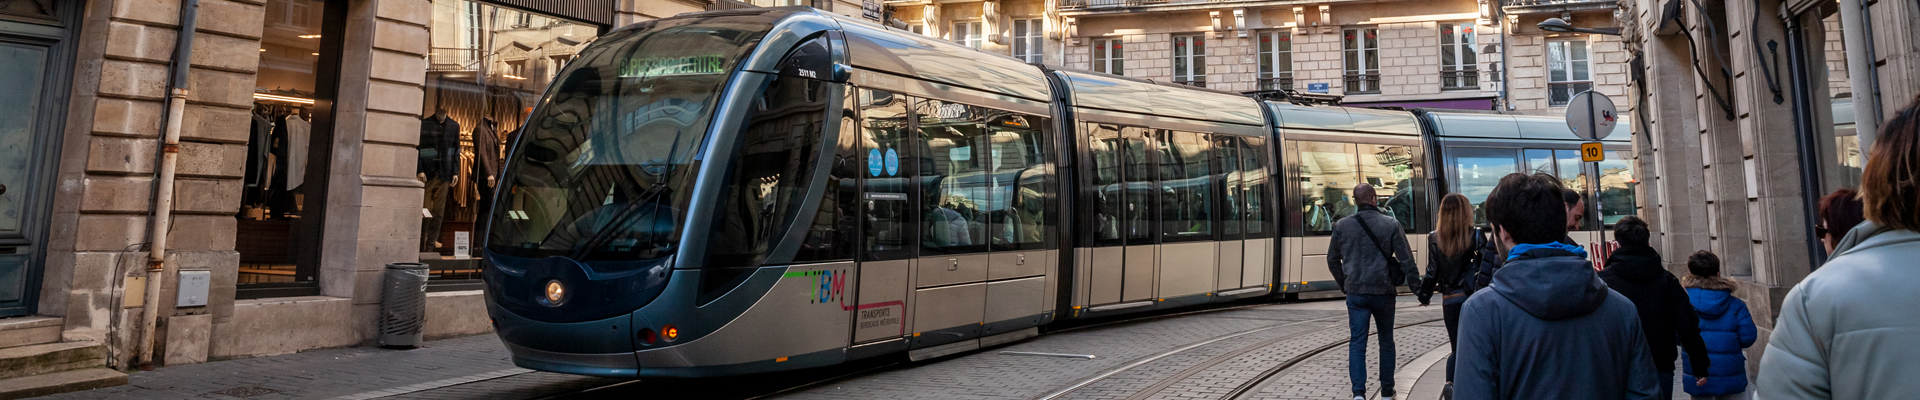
x: 319, y: 374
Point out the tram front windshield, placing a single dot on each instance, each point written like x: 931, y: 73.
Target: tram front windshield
x: 605, y: 164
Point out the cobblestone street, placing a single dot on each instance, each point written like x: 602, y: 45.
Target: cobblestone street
x: 1298, y: 348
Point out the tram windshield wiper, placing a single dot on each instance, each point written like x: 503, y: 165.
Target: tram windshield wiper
x: 644, y: 201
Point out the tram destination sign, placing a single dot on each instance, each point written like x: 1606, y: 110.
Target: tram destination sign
x: 1591, y: 115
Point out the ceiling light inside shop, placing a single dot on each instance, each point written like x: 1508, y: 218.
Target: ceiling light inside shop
x: 275, y: 97
x: 512, y: 77
x: 309, y: 36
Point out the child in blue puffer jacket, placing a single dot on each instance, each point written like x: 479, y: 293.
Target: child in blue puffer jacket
x: 1724, y: 324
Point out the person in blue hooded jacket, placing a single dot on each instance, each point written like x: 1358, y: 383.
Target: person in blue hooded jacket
x: 1726, y: 327
x: 1548, y: 327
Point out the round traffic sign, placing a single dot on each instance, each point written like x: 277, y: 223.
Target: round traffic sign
x: 1591, y: 115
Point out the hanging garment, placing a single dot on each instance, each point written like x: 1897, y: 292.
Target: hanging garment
x: 436, y: 205
x: 463, y: 180
x: 298, y: 134
x: 259, y: 144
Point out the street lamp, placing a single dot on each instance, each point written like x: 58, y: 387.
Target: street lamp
x: 1561, y: 26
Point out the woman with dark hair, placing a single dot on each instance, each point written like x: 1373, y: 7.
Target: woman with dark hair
x: 1839, y: 213
x: 1453, y: 249
x: 1845, y: 332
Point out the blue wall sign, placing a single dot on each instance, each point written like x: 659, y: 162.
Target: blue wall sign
x: 873, y: 162
x: 1317, y: 87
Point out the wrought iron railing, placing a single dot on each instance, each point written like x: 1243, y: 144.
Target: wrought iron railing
x: 1363, y: 83
x: 1524, y: 3
x: 1277, y: 83
x: 1096, y: 4
x: 1460, y: 79
x: 1194, y: 83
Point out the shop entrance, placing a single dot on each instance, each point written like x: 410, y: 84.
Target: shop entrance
x: 34, y: 64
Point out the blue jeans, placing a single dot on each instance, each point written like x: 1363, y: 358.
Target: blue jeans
x: 1666, y: 385
x: 1359, y: 308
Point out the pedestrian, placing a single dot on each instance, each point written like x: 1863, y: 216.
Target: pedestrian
x: 1548, y: 327
x: 1666, y: 315
x: 1846, y: 331
x: 1839, y: 213
x: 1725, y: 325
x: 1576, y: 210
x: 1453, y: 252
x: 1369, y: 259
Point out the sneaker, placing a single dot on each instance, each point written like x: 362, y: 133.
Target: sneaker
x: 1446, y: 392
x: 1359, y: 397
x: 1386, y: 395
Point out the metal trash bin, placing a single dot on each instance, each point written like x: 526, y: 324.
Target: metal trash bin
x: 403, y: 305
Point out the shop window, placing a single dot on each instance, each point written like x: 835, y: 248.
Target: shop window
x: 1109, y: 57
x: 288, y: 153
x: 917, y: 28
x: 488, y: 66
x: 1458, y: 69
x: 1190, y: 60
x: 1569, y: 71
x: 969, y: 34
x: 1361, y: 48
x: 1276, y: 60
x: 1027, y: 42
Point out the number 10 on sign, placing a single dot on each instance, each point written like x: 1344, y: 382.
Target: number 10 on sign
x: 1591, y: 152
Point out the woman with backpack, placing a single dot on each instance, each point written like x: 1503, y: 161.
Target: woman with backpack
x: 1454, y: 253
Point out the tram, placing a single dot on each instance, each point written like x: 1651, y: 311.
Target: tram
x: 757, y: 190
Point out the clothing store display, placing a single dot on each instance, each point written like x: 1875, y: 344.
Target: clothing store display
x: 436, y: 205
x: 259, y: 144
x: 298, y: 138
x: 486, y: 152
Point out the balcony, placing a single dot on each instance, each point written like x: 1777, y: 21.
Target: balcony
x: 1098, y: 5
x: 1521, y: 7
x: 1363, y: 83
x: 1277, y: 83
x: 1466, y: 79
x: 1198, y: 83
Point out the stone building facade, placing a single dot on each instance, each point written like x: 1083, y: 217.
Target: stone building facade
x: 1754, y: 110
x: 289, y: 248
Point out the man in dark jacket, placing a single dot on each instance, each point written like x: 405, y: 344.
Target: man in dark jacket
x: 1370, y: 259
x: 1547, y: 328
x: 1666, y: 314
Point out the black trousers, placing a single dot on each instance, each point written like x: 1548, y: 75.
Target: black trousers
x: 1451, y: 313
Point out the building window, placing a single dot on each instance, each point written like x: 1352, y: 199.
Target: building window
x: 1276, y: 60
x: 917, y: 28
x: 1569, y: 71
x: 1190, y: 60
x: 1362, y: 48
x: 968, y: 34
x: 1026, y: 40
x: 1108, y: 57
x: 1457, y: 64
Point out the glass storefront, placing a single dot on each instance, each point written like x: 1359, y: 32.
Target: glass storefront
x: 487, y: 66
x: 1833, y: 100
x: 287, y: 152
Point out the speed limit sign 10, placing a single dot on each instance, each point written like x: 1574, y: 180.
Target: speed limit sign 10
x: 1591, y: 152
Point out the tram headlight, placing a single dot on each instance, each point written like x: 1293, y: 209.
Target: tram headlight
x: 555, y: 292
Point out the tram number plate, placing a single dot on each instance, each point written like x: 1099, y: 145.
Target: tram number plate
x: 1591, y: 152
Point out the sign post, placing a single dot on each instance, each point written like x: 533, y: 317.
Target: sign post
x: 871, y: 10
x: 1592, y: 117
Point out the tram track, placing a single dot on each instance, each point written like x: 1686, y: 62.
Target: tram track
x: 1260, y: 381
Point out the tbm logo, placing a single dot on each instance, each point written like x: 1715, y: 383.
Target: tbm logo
x: 829, y: 286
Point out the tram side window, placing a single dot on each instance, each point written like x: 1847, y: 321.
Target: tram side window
x: 1020, y: 180
x: 1234, y: 185
x: 1616, y: 187
x: 831, y: 234
x: 1253, y: 166
x: 1103, y: 148
x: 1394, y: 172
x: 953, y: 162
x: 1327, y: 177
x: 1186, y: 187
x: 1139, y: 190
x: 1478, y: 170
x: 887, y: 196
x: 768, y: 173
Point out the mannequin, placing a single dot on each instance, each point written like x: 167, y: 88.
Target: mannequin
x: 439, y: 157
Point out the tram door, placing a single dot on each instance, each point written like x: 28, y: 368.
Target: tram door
x: 954, y: 166
x: 1233, y: 197
x: 1124, y: 200
x: 889, y: 221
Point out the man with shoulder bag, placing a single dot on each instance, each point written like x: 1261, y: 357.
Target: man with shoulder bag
x: 1370, y: 259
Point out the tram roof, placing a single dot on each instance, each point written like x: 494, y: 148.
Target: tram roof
x: 874, y: 47
x: 1117, y: 93
x: 1354, y: 119
x: 1454, y: 123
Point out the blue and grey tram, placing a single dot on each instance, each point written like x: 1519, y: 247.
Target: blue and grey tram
x: 757, y: 190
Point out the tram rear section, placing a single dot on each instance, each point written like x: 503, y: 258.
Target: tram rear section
x: 748, y: 191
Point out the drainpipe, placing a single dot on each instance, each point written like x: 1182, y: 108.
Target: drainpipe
x: 1857, y: 29
x: 1506, y: 66
x: 162, y: 213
